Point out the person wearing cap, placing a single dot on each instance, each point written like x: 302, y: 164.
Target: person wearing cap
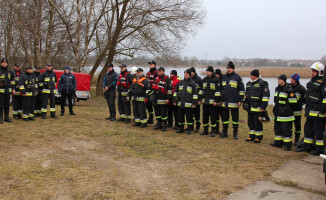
x: 110, y: 84
x: 199, y: 86
x: 138, y: 93
x: 38, y: 93
x: 151, y: 76
x: 210, y: 96
x: 256, y: 96
x: 300, y: 91
x: 28, y: 87
x: 232, y: 97
x: 315, y: 112
x: 218, y: 74
x: 124, y: 81
x: 67, y: 88
x: 48, y: 80
x: 285, y: 103
x: 162, y: 93
x: 17, y: 99
x: 172, y: 109
x: 7, y: 86
x: 186, y: 98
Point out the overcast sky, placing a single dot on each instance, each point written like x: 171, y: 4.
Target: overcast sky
x: 287, y: 29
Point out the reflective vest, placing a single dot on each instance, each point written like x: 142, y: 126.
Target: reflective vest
x: 160, y: 83
x: 316, y: 99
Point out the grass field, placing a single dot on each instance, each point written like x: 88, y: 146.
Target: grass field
x: 87, y: 157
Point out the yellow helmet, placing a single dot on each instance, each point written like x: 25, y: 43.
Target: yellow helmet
x: 318, y: 66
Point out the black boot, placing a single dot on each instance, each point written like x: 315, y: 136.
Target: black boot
x: 62, y: 113
x: 143, y: 125
x: 43, y: 115
x: 72, y: 113
x: 181, y: 129
x: 189, y: 129
x: 158, y: 125
x: 170, y: 124
x: 1, y: 116
x: 150, y: 119
x: 175, y: 127
x: 213, y: 134
x: 205, y: 131
x: 235, y: 133
x: 296, y: 139
x: 7, y: 118
x: 136, y: 124
x: 127, y: 121
x: 225, y: 131
x: 197, y: 127
x: 53, y: 115
x: 164, y: 126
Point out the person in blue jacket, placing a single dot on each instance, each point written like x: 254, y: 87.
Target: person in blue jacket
x: 67, y: 87
x: 110, y: 87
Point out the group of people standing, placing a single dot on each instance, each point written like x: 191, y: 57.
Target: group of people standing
x: 177, y: 103
x: 31, y: 91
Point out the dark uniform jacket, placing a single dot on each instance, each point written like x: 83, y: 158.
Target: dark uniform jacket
x: 124, y: 81
x: 27, y: 84
x: 49, y: 79
x: 186, y: 93
x: 162, y: 89
x: 151, y: 75
x: 285, y: 103
x: 211, y: 91
x: 257, y: 95
x: 199, y: 84
x: 110, y: 81
x: 7, y: 83
x: 17, y: 75
x: 38, y: 80
x: 139, y: 89
x: 316, y: 98
x: 232, y: 90
x: 67, y: 83
x: 300, y: 92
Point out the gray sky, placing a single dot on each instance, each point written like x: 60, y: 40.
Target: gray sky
x: 287, y: 29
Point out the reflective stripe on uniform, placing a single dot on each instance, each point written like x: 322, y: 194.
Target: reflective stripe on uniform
x: 195, y: 96
x: 308, y: 140
x: 241, y: 92
x: 232, y: 105
x: 161, y: 102
x: 287, y: 139
x: 44, y: 110
x: 297, y: 113
x: 46, y: 91
x: 283, y: 94
x: 251, y: 132
x: 52, y: 109
x: 255, y: 109
x: 226, y: 122
x: 285, y: 119
x: 217, y: 94
x: 258, y: 133
x: 2, y: 90
x: 278, y: 137
x: 320, y: 142
x: 124, y: 94
x: 188, y: 105
x: 293, y: 100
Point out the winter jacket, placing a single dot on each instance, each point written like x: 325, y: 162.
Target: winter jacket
x: 232, y: 90
x: 67, y: 83
x: 285, y: 103
x: 300, y: 92
x: 186, y: 94
x: 151, y: 75
x: 257, y: 95
x: 139, y: 89
x: 211, y: 91
x: 124, y: 81
x: 110, y: 81
x: 38, y: 80
x: 162, y: 89
x: 27, y: 84
x: 316, y: 98
x: 17, y: 75
x: 49, y: 80
x: 7, y: 83
x: 174, y: 82
x: 199, y: 84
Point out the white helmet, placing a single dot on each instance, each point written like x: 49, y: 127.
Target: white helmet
x: 133, y: 70
x: 318, y: 66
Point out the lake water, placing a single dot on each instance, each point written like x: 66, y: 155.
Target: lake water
x: 272, y: 82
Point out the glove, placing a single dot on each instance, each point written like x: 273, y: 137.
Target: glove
x: 146, y: 101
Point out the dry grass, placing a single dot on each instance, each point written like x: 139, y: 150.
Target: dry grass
x: 87, y: 157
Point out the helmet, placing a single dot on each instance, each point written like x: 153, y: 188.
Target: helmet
x: 133, y: 70
x: 318, y: 66
x: 264, y: 117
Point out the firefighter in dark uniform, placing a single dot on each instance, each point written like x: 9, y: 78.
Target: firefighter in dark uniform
x: 218, y: 74
x: 186, y: 98
x: 17, y: 99
x: 315, y: 111
x: 285, y: 103
x: 67, y: 88
x: 210, y: 96
x: 199, y: 85
x: 161, y: 96
x: 7, y: 86
x: 256, y: 101
x: 172, y: 109
x: 38, y: 94
x: 110, y: 85
x: 49, y: 80
x: 151, y: 76
x: 28, y: 87
x: 124, y: 81
x: 232, y: 97
x: 300, y: 91
x: 138, y: 94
